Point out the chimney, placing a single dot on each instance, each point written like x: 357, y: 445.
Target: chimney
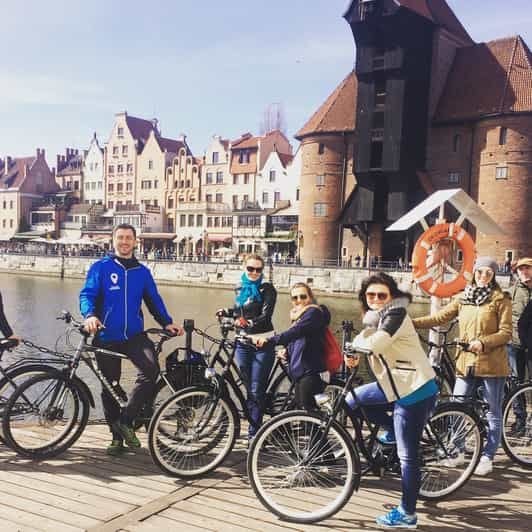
x: 58, y: 158
x: 42, y: 153
x: 26, y: 168
x: 6, y: 164
x: 38, y: 152
x: 182, y: 137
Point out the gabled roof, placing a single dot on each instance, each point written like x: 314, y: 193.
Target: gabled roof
x: 139, y: 127
x: 171, y: 145
x: 73, y: 165
x: 488, y: 78
x: 440, y: 13
x: 338, y: 112
x: 286, y: 158
x: 247, y: 140
x: 15, y: 175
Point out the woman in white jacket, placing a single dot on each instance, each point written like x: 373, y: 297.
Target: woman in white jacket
x: 405, y: 391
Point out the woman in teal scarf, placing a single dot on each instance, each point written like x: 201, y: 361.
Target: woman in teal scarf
x: 253, y: 310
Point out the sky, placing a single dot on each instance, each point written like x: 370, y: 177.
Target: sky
x: 201, y: 67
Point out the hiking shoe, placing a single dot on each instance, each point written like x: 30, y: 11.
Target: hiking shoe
x: 387, y: 438
x: 484, y: 467
x: 396, y: 518
x: 127, y: 432
x: 115, y: 448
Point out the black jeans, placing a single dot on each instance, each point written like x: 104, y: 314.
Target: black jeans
x: 306, y: 388
x: 140, y: 351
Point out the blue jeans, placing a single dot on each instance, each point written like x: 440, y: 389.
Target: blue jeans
x: 255, y: 366
x: 493, y: 388
x: 519, y: 359
x: 408, y: 423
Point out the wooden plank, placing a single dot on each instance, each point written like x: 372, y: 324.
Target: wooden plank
x: 203, y: 517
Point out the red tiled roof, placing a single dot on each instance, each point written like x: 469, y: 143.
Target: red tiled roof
x: 15, y: 175
x: 247, y: 140
x: 338, y: 112
x: 286, y: 158
x: 488, y: 78
x: 438, y: 12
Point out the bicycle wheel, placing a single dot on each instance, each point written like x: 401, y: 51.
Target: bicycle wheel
x: 193, y: 432
x: 45, y: 416
x: 300, y: 473
x: 517, y: 426
x: 450, y: 449
x: 16, y: 376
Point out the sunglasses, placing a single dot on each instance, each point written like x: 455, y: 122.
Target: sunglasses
x: 381, y: 296
x: 301, y: 297
x: 250, y: 269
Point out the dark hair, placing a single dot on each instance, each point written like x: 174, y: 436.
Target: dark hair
x: 125, y: 226
x: 380, y: 278
x: 306, y: 287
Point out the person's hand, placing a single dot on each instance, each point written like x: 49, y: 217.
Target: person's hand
x: 241, y: 322
x: 476, y: 346
x: 281, y: 353
x: 175, y: 329
x: 352, y: 361
x: 14, y: 337
x: 220, y: 313
x: 260, y: 341
x: 92, y: 325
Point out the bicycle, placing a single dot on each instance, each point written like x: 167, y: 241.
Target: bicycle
x: 304, y: 466
x: 194, y: 431
x: 48, y: 412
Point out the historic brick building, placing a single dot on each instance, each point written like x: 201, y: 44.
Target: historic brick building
x: 430, y: 109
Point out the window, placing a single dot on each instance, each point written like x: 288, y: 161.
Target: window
x: 124, y: 149
x: 170, y: 225
x: 191, y: 220
x: 209, y: 221
x: 509, y: 254
x: 246, y: 179
x: 216, y: 221
x: 87, y: 186
x: 150, y: 165
x: 155, y: 203
x: 115, y: 150
x: 245, y: 199
x: 276, y: 196
x: 129, y: 168
x: 183, y: 220
x: 155, y: 183
x: 229, y: 221
x: 298, y: 192
x: 188, y: 183
x: 199, y: 220
x: 456, y: 143
x: 93, y: 185
x: 110, y: 187
x: 320, y: 180
x: 110, y: 204
x: 120, y: 131
x: 208, y: 198
x: 182, y: 183
x: 235, y: 201
x: 503, y: 136
x: 215, y: 157
x: 380, y: 94
x: 243, y: 156
x: 501, y: 172
x: 120, y: 169
x: 265, y: 198
x: 208, y: 178
x: 375, y: 158
x: 272, y: 176
x: 453, y: 177
x: 219, y: 198
x: 235, y: 179
x: 321, y: 148
x: 11, y: 204
x: 170, y: 203
x: 119, y: 187
x: 11, y: 224
x: 100, y: 185
x: 111, y: 169
x: 320, y: 209
x: 219, y: 178
x: 129, y: 187
x: 378, y: 59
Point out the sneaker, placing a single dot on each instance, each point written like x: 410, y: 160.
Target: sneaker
x: 396, y: 518
x: 453, y: 461
x: 387, y: 438
x: 127, y: 432
x: 484, y: 467
x: 115, y: 448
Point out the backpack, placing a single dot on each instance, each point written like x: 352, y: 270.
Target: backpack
x: 332, y: 353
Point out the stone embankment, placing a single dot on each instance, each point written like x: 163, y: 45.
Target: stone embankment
x: 341, y: 281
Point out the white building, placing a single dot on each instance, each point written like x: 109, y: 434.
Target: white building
x: 93, y: 173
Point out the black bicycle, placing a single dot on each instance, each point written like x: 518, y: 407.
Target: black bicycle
x: 304, y: 466
x: 194, y: 431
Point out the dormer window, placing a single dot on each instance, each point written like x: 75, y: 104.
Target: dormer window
x: 366, y: 8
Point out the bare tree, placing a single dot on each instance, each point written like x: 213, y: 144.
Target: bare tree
x: 273, y: 118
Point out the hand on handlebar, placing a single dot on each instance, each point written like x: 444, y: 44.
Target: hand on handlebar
x: 242, y: 322
x: 92, y: 325
x: 175, y: 329
x: 260, y: 341
x: 475, y: 346
x: 15, y: 338
x: 352, y: 360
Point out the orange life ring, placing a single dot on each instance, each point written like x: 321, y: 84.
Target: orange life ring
x: 421, y: 272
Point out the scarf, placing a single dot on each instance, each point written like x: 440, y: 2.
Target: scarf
x: 372, y: 318
x: 249, y: 291
x: 296, y: 313
x: 476, y: 295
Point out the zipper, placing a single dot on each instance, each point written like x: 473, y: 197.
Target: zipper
x: 387, y: 368
x: 405, y: 369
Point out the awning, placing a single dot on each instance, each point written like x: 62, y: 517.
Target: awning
x: 157, y: 236
x: 219, y: 238
x: 279, y: 240
x: 29, y: 235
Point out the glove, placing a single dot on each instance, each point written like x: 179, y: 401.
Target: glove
x: 242, y: 322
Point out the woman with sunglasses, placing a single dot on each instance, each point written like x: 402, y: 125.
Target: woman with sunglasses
x: 405, y: 385
x: 485, y: 322
x: 253, y: 310
x: 304, y: 343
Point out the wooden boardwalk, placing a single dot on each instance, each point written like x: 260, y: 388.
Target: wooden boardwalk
x: 86, y: 490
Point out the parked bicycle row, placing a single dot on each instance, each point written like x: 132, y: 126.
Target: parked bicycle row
x: 433, y: 422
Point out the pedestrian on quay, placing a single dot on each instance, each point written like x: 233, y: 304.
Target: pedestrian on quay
x: 410, y: 395
x: 5, y: 328
x: 303, y: 345
x: 253, y: 311
x: 111, y: 303
x: 485, y: 322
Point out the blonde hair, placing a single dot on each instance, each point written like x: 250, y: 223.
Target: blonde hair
x: 306, y: 287
x: 253, y: 256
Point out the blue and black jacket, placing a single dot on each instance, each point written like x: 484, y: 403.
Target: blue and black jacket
x: 114, y: 293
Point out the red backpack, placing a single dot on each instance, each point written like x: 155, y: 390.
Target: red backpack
x: 331, y: 352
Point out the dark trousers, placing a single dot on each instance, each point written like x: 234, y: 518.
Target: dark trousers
x: 140, y: 351
x: 306, y: 388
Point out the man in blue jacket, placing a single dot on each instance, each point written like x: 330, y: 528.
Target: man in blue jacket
x: 111, y: 303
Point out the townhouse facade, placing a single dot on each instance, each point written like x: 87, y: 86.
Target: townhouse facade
x: 93, y: 174
x: 69, y: 172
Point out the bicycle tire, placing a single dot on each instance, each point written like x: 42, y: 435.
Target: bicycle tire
x: 25, y: 438
x: 183, y: 452
x: 442, y: 450
x: 294, y: 438
x: 517, y: 434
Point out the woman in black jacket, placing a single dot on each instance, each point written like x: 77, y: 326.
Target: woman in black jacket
x: 253, y: 310
x: 304, y: 342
